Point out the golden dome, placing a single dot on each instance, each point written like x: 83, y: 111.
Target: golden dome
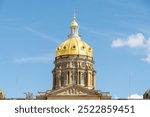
x: 74, y: 45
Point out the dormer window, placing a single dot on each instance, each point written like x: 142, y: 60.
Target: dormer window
x: 82, y: 48
x: 65, y: 47
x: 74, y: 47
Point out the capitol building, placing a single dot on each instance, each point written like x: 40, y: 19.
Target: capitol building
x: 74, y: 73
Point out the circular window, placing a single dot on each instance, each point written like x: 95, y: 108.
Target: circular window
x: 74, y: 47
x: 82, y: 47
x: 65, y: 47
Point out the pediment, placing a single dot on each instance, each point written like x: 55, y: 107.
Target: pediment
x: 73, y: 90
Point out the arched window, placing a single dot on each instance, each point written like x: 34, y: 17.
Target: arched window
x: 83, y: 64
x: 64, y: 65
x: 74, y: 78
x: 73, y: 30
x: 65, y: 79
x: 83, y: 78
x: 74, y: 64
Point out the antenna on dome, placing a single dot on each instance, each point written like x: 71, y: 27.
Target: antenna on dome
x: 74, y: 15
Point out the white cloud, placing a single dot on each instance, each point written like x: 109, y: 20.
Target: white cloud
x: 118, y: 43
x: 135, y: 41
x: 41, y: 59
x: 147, y: 59
x: 135, y: 96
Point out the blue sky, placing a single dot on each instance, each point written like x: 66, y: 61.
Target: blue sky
x: 118, y: 31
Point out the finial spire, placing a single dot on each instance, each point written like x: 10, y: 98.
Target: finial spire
x: 74, y: 16
x: 74, y: 26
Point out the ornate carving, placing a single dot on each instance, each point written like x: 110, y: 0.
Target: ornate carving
x: 72, y: 91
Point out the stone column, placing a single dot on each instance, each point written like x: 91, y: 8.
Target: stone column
x: 86, y: 77
x: 67, y: 81
x: 78, y: 78
x: 78, y: 64
x: 54, y: 81
x: 94, y: 82
x: 70, y: 77
x: 59, y: 82
x: 61, y: 78
x: 88, y: 80
x: 91, y: 80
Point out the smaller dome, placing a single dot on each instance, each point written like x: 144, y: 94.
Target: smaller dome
x: 74, y: 24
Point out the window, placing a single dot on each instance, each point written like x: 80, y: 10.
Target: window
x: 74, y: 64
x: 83, y: 78
x: 65, y: 47
x: 73, y: 47
x: 83, y: 64
x: 65, y: 79
x: 82, y: 48
x: 74, y: 78
x: 64, y: 65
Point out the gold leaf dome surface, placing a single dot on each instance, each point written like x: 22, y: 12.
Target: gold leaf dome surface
x: 74, y: 24
x: 74, y: 45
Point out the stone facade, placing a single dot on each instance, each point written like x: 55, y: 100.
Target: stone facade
x: 74, y: 70
x: 74, y: 92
